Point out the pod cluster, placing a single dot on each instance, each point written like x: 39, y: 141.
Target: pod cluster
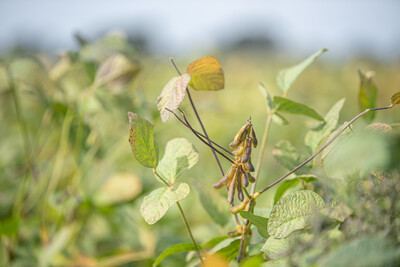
x: 239, y: 174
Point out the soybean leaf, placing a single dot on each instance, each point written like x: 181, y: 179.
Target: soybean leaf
x: 258, y: 221
x: 142, y: 142
x: 279, y: 119
x: 180, y: 155
x: 214, y: 204
x: 174, y: 249
x: 119, y: 188
x: 395, y: 99
x: 230, y: 252
x: 270, y: 103
x: 314, y: 137
x: 252, y: 261
x: 213, y: 242
x: 116, y: 71
x: 288, y: 184
x: 290, y: 213
x: 367, y: 95
x: 172, y: 95
x: 156, y: 204
x: 286, y: 154
x: 275, y: 248
x: 363, y: 251
x: 287, y: 76
x: 285, y: 105
x: 207, y: 74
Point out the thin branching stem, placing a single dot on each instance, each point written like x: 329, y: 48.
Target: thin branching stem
x: 184, y: 123
x: 183, y: 218
x: 198, y: 118
x: 324, y: 147
x: 208, y: 144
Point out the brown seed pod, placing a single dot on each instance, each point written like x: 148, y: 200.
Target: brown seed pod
x: 240, y: 136
x: 250, y: 177
x: 240, y: 191
x: 244, y: 181
x: 247, y: 151
x: 227, y: 177
x: 232, y: 187
x: 253, y: 135
x: 249, y: 165
x: 239, y: 207
x: 239, y: 151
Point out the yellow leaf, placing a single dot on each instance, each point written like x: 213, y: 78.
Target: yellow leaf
x: 207, y: 74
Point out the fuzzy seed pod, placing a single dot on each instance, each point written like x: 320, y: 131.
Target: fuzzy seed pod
x: 244, y: 181
x: 240, y: 136
x: 253, y: 135
x: 249, y: 166
x: 232, y: 187
x: 227, y: 177
x: 239, y: 207
x: 240, y: 191
x: 247, y: 151
x: 239, y: 151
x: 250, y: 177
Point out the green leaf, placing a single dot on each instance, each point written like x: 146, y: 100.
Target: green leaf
x: 180, y: 155
x: 252, y: 261
x: 213, y: 242
x: 207, y: 74
x: 258, y: 221
x: 395, y: 99
x: 117, y: 71
x: 290, y: 213
x: 288, y: 184
x: 172, y: 95
x: 270, y: 103
x: 142, y: 142
x: 275, y: 248
x: 214, y: 204
x: 314, y: 137
x: 289, y: 106
x: 367, y: 95
x: 287, y: 76
x: 279, y: 119
x: 121, y: 187
x: 230, y: 252
x: 363, y: 251
x: 286, y: 154
x: 156, y: 204
x: 174, y: 249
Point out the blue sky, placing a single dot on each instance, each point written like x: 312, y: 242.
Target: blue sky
x: 345, y: 27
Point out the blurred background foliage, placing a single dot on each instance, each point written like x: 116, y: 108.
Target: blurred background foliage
x: 70, y: 189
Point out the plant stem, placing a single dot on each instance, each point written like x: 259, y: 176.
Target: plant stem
x: 198, y: 118
x: 262, y: 149
x: 203, y: 136
x: 183, y: 217
x: 324, y: 147
x: 208, y: 144
x: 190, y: 232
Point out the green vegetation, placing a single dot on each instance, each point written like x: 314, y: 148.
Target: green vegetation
x: 72, y: 194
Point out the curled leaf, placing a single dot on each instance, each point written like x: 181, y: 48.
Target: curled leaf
x: 172, y: 95
x: 207, y: 74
